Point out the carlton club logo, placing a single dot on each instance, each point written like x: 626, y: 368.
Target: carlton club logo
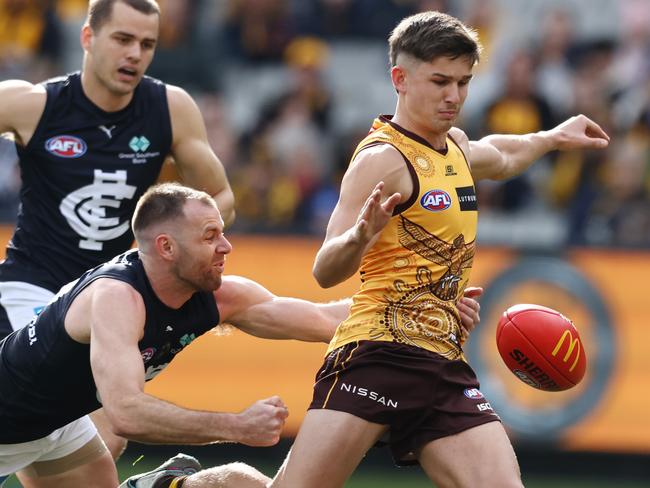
x: 66, y: 146
x: 435, y: 200
x: 87, y: 209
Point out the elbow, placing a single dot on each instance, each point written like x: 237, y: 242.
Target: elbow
x: 228, y: 212
x: 127, y: 431
x: 124, y: 422
x: 230, y: 218
x: 226, y: 202
x: 123, y: 426
x: 324, y: 283
x: 322, y: 279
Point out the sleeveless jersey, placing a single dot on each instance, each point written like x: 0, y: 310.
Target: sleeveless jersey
x: 45, y: 376
x: 82, y: 172
x: 420, y: 264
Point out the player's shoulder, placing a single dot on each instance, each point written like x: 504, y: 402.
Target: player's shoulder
x: 176, y: 94
x: 458, y: 136
x: 110, y: 284
x: 237, y: 293
x: 113, y: 290
x: 378, y: 154
x: 181, y: 103
x: 21, y: 107
x: 235, y: 287
x: 460, y: 139
x: 21, y: 91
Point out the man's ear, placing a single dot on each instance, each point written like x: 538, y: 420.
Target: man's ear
x: 85, y: 37
x: 398, y: 77
x: 165, y: 246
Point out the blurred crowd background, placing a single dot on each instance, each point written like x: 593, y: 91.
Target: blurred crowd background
x: 288, y: 87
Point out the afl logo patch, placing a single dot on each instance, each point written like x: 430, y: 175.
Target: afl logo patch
x: 473, y: 393
x: 435, y: 200
x: 66, y: 146
x: 148, y: 353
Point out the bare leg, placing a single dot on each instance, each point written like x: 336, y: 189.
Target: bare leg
x: 99, y: 473
x: 115, y: 444
x: 481, y: 455
x: 329, y: 447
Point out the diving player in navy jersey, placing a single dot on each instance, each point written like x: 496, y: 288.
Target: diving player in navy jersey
x: 90, y: 144
x: 92, y: 340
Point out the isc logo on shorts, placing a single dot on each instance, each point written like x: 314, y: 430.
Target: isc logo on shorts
x: 66, y: 146
x: 482, y: 407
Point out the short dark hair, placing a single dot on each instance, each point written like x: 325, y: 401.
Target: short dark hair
x: 165, y: 202
x: 100, y: 11
x: 430, y: 35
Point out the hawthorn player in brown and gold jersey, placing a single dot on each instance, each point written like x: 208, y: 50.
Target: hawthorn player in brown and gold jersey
x: 406, y: 219
x: 420, y: 264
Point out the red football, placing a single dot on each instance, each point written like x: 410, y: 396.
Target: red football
x: 541, y: 347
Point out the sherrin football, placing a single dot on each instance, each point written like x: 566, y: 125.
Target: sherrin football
x: 541, y: 347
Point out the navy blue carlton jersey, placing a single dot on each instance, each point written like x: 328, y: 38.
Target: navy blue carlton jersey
x: 83, y: 171
x: 46, y: 380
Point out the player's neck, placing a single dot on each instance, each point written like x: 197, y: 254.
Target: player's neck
x: 101, y: 96
x: 437, y: 138
x: 166, y: 286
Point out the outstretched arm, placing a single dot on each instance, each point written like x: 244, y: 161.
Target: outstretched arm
x: 371, y: 188
x: 500, y: 156
x: 117, y: 321
x: 197, y: 163
x: 252, y: 308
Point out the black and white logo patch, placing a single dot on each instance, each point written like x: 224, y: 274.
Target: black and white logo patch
x: 467, y: 198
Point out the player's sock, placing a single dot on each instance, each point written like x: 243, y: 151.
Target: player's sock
x: 174, y: 483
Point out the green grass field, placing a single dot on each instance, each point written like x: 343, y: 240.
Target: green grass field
x: 375, y: 472
x: 378, y: 480
x: 366, y: 478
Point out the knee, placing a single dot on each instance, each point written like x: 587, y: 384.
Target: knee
x: 116, y: 445
x: 243, y: 471
x: 239, y: 475
x: 509, y: 480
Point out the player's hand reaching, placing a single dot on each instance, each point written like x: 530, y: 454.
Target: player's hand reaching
x: 375, y: 214
x: 579, y: 132
x: 262, y: 422
x: 469, y: 310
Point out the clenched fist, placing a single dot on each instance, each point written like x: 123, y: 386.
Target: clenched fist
x: 262, y: 422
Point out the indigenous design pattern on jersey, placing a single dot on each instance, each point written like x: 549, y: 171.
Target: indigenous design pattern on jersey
x: 419, y: 267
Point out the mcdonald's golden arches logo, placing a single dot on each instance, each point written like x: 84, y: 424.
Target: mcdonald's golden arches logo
x: 574, y: 343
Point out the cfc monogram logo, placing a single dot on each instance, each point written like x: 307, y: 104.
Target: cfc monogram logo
x: 574, y: 343
x: 85, y: 209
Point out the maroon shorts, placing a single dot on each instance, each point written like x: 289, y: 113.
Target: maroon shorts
x: 419, y: 394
